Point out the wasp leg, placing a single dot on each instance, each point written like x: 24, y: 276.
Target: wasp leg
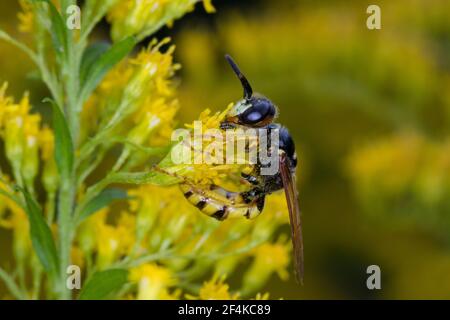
x: 251, y: 179
x: 252, y: 175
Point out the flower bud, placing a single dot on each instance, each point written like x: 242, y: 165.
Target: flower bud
x: 153, y: 281
x: 268, y: 258
x: 141, y: 18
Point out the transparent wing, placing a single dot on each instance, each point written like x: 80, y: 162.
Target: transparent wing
x: 290, y: 191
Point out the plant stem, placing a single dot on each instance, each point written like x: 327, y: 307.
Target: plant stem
x: 11, y: 285
x: 67, y: 194
x: 70, y: 72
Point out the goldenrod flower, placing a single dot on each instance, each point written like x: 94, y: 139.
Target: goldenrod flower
x: 13, y: 217
x: 50, y: 177
x: 209, y: 6
x: 20, y: 131
x: 390, y: 170
x: 77, y: 256
x: 140, y: 92
x: 211, y: 121
x: 26, y: 16
x: 268, y: 258
x: 153, y: 281
x: 13, y: 134
x: 396, y: 160
x: 143, y: 17
x: 262, y: 296
x: 216, y: 289
x: 131, y: 113
x: 162, y: 214
x: 112, y: 241
x: 30, y: 165
x: 198, y: 171
x: 87, y: 232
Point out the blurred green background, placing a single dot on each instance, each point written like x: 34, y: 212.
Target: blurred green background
x: 370, y: 114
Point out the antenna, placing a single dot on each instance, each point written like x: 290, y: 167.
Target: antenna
x: 248, y: 92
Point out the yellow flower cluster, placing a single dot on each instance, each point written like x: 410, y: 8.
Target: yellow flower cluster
x: 143, y: 17
x: 398, y: 169
x: 160, y: 224
x: 268, y: 258
x: 201, y: 172
x: 153, y: 282
x: 26, y: 16
x: 139, y: 91
x: 13, y: 217
x: 24, y: 137
x: 108, y: 241
x: 395, y: 159
x: 215, y: 289
x: 167, y: 246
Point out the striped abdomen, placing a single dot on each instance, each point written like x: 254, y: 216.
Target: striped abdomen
x: 220, y: 206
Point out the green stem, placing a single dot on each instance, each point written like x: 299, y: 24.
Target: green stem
x: 19, y: 45
x: 37, y: 280
x: 65, y: 224
x: 39, y: 61
x: 129, y: 263
x: 50, y: 207
x: 11, y: 285
x: 70, y: 73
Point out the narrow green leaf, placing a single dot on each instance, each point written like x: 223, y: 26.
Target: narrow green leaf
x: 90, y: 56
x: 13, y: 198
x: 102, y: 200
x: 63, y: 141
x: 104, y: 63
x: 103, y: 283
x: 41, y: 235
x: 150, y: 177
x: 59, y: 32
x: 7, y: 192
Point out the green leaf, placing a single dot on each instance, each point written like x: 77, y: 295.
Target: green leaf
x: 63, y: 141
x: 59, y: 32
x: 104, y: 63
x: 102, y: 200
x: 41, y: 235
x: 151, y: 177
x: 90, y: 56
x: 13, y: 197
x: 103, y: 283
x: 150, y: 151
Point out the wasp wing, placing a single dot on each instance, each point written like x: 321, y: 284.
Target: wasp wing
x: 290, y: 191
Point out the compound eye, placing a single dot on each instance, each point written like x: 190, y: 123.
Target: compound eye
x: 253, y: 117
x: 260, y: 113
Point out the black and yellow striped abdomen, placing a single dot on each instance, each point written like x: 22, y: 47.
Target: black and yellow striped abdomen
x: 220, y: 207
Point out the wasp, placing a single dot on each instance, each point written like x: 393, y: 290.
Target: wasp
x: 257, y: 112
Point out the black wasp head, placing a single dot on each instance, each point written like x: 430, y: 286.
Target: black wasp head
x: 253, y: 110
